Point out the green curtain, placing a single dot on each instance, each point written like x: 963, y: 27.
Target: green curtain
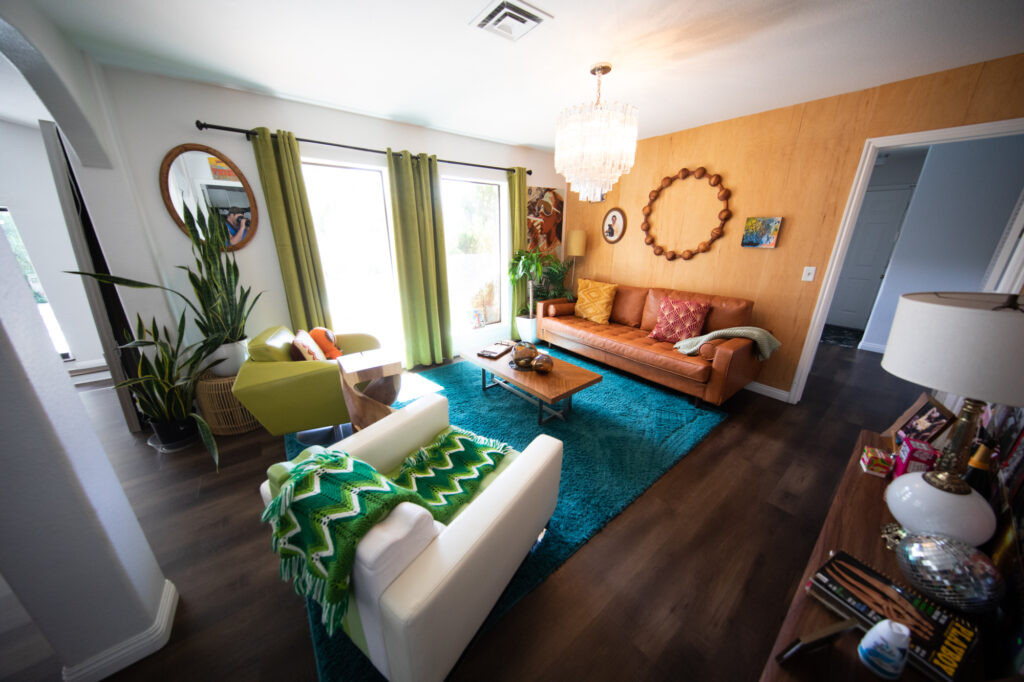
x: 420, y: 257
x: 517, y: 209
x: 280, y: 168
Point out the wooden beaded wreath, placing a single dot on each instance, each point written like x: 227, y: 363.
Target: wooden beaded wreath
x: 715, y: 180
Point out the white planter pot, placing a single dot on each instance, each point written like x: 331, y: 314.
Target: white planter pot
x: 527, y: 327
x: 233, y: 354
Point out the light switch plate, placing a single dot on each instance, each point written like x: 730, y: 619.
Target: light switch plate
x: 808, y: 275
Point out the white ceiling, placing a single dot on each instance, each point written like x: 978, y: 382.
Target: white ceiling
x: 683, y: 63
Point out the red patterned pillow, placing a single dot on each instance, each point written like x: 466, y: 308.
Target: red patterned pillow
x: 678, y: 320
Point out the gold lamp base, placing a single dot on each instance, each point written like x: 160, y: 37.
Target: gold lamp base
x: 952, y: 465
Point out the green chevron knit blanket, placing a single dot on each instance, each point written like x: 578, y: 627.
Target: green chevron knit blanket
x: 329, y: 502
x: 448, y: 472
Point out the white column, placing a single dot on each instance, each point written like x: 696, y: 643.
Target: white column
x: 73, y: 550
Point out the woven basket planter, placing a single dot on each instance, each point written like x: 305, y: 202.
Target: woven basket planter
x: 220, y: 408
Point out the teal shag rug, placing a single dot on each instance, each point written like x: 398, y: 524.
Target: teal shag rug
x: 620, y: 437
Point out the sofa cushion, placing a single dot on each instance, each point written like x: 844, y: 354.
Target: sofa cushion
x: 272, y: 345
x: 628, y: 308
x: 725, y: 312
x: 631, y: 343
x: 305, y: 348
x: 556, y: 309
x: 324, y: 338
x: 595, y: 300
x: 678, y: 320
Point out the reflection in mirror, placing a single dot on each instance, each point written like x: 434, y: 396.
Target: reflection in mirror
x: 204, y: 179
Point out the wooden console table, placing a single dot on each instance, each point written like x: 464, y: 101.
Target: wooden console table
x: 853, y: 524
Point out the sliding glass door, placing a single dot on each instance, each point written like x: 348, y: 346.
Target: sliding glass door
x: 350, y: 212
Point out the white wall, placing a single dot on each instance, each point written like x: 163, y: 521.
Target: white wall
x: 27, y: 189
x: 153, y: 114
x: 900, y: 168
x: 963, y: 200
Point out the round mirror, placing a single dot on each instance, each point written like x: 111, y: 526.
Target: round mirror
x: 203, y: 179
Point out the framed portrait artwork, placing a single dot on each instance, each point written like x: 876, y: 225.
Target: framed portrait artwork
x: 925, y: 420
x: 613, y: 225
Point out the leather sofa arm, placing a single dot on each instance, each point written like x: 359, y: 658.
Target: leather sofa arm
x: 735, y: 365
x: 553, y: 307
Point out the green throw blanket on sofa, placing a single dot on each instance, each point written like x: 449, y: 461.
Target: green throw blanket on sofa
x: 766, y: 343
x: 330, y: 501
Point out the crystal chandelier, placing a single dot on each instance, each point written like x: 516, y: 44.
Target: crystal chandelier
x: 595, y: 143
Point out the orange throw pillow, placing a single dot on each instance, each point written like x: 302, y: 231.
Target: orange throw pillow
x: 324, y: 338
x: 678, y: 320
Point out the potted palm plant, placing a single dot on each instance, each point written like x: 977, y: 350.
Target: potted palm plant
x: 529, y: 265
x: 165, y: 384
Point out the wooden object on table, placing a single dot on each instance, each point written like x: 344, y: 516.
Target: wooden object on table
x: 853, y: 524
x: 544, y: 390
x: 372, y: 402
x: 220, y: 408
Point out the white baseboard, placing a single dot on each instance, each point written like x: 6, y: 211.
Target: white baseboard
x: 770, y: 391
x: 873, y: 347
x: 129, y: 651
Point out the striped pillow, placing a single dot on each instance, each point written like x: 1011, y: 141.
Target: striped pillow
x: 594, y: 300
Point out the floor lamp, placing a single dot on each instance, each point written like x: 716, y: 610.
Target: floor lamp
x: 967, y: 344
x: 575, y: 247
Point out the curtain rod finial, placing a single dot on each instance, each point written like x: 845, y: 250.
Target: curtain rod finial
x: 200, y: 124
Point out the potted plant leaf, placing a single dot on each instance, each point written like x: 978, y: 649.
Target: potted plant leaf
x: 529, y: 265
x: 222, y: 305
x: 165, y: 384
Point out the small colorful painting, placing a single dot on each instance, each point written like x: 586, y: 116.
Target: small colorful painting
x: 762, y: 233
x: 220, y: 170
x: 544, y: 219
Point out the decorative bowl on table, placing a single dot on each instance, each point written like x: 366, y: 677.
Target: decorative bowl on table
x: 523, y: 354
x: 542, y: 364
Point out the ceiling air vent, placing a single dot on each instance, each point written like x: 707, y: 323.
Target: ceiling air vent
x: 509, y: 19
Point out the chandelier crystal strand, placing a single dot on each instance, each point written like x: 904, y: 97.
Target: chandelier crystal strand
x: 595, y: 144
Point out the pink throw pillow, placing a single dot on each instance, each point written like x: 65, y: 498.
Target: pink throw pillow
x: 305, y: 346
x: 678, y: 320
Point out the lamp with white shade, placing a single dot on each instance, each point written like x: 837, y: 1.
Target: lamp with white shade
x: 967, y: 344
x: 575, y: 247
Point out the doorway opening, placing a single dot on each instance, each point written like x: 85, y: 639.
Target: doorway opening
x: 1005, y: 253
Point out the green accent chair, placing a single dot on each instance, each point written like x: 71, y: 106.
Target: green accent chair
x: 285, y: 395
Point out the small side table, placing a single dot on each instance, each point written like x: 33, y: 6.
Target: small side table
x: 219, y: 407
x: 379, y: 367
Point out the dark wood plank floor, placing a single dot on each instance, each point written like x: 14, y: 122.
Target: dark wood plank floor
x: 690, y: 582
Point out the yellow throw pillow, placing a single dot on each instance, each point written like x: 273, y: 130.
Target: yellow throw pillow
x: 594, y: 300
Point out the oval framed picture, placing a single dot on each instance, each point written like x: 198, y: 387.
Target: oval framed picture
x: 613, y: 225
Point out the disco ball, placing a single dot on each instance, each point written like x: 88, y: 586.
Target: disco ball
x: 950, y: 571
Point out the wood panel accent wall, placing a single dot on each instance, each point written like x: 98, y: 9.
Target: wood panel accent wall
x: 797, y: 162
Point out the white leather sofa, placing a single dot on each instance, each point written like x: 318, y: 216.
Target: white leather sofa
x: 420, y: 589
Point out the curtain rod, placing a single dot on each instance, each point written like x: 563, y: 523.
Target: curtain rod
x: 249, y: 133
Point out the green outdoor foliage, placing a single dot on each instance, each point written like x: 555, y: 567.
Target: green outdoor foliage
x: 544, y: 275
x: 165, y: 385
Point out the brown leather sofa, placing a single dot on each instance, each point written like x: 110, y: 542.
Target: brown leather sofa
x: 720, y: 369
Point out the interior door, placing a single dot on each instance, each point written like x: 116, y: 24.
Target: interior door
x: 874, y: 237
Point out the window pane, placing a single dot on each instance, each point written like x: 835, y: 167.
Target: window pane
x: 350, y: 217
x: 60, y: 343
x: 472, y: 245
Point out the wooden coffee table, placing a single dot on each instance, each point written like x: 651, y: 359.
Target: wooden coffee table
x: 543, y: 390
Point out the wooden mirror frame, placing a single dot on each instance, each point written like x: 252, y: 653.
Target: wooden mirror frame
x: 165, y: 169
x: 714, y: 180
